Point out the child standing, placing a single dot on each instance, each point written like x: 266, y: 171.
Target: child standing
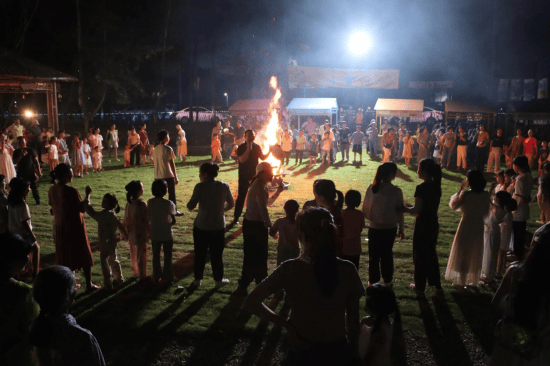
x: 136, y: 223
x: 127, y: 152
x: 108, y: 223
x: 326, y: 146
x: 87, y: 151
x: 52, y: 153
x: 19, y: 218
x: 79, y: 157
x: 162, y: 216
x: 354, y: 223
x: 313, y: 149
x: 509, y: 205
x: 301, y: 143
x: 408, y: 143
x: 216, y: 149
x: 286, y: 145
x: 287, y: 246
x: 492, y: 240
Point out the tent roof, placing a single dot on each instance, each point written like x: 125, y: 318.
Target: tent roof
x: 16, y: 67
x: 416, y: 105
x: 251, y: 105
x: 313, y: 106
x: 465, y: 107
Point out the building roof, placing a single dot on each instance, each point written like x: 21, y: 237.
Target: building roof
x: 410, y: 105
x: 465, y: 107
x: 251, y: 105
x: 312, y: 106
x: 17, y: 67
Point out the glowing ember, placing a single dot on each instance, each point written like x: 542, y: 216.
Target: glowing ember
x: 268, y: 136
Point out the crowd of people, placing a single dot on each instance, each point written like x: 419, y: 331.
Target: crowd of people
x: 318, y: 251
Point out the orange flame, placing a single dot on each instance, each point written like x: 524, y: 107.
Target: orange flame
x: 268, y: 135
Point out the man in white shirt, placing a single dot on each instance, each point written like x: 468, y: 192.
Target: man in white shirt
x: 163, y: 159
x: 135, y: 145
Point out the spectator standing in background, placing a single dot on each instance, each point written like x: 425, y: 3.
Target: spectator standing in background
x: 495, y: 149
x: 239, y: 133
x: 530, y: 148
x: 345, y: 134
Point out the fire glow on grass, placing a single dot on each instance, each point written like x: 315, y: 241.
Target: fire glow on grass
x: 268, y: 136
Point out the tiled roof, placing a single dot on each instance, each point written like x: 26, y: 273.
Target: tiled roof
x: 465, y: 107
x: 14, y: 66
x: 250, y: 105
x: 416, y: 105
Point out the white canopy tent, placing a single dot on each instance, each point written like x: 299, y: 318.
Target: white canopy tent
x: 313, y: 107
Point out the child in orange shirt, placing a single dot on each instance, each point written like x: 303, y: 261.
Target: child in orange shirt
x: 216, y: 149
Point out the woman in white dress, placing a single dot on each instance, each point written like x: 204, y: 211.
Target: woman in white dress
x: 182, y: 143
x: 466, y: 259
x: 112, y: 142
x: 6, y: 163
x: 96, y: 143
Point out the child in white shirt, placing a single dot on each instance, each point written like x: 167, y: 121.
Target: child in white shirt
x: 326, y: 146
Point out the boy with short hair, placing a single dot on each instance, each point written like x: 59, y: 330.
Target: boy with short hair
x: 326, y: 146
x: 162, y: 216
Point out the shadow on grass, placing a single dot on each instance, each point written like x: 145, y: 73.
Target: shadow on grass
x: 445, y: 344
x: 401, y: 175
x: 478, y: 313
x: 398, y: 343
x: 453, y: 178
x: 218, y: 341
x: 301, y: 171
x: 318, y: 171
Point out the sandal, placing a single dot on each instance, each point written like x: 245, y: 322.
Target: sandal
x: 92, y: 288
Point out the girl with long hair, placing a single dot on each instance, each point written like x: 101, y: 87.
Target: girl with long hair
x: 466, y: 258
x: 72, y: 246
x: 256, y: 225
x: 426, y: 227
x: 383, y: 207
x: 324, y: 294
x: 136, y: 223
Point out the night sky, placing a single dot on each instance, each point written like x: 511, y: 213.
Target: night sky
x: 251, y: 40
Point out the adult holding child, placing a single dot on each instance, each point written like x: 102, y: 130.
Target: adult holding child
x: 466, y: 258
x: 426, y: 227
x: 72, y: 246
x: 324, y: 293
x: 383, y: 207
x: 249, y: 154
x: 256, y: 225
x: 523, y: 333
x: 214, y: 198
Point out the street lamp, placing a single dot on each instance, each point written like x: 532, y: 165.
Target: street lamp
x: 226, y: 100
x: 359, y: 43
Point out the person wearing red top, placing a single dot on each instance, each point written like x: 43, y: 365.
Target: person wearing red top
x: 530, y: 148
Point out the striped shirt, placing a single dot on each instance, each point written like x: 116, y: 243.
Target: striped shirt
x: 317, y: 318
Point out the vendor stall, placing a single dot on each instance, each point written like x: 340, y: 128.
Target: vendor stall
x: 400, y: 108
x: 457, y: 110
x: 303, y: 107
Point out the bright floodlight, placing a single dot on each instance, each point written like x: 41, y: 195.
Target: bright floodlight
x: 29, y: 114
x: 359, y: 43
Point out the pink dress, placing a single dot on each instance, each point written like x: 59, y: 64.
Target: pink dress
x: 136, y: 222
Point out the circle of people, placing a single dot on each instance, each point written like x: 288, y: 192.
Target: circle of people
x: 318, y: 279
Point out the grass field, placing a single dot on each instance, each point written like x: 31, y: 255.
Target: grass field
x: 169, y: 325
